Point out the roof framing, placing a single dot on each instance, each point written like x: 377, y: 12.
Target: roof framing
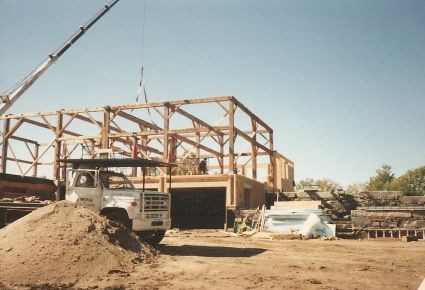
x: 156, y: 142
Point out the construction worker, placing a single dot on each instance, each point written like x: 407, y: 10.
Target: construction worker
x: 202, y: 167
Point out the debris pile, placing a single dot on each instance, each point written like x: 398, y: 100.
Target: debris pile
x: 58, y: 243
x: 25, y: 199
x: 248, y: 222
x: 379, y: 198
x: 387, y: 218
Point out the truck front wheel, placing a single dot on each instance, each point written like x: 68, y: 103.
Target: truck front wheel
x: 152, y: 237
x: 117, y: 215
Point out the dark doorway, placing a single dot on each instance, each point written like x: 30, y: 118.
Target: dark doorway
x: 198, y: 208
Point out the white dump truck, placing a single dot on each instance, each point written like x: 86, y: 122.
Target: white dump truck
x: 145, y: 212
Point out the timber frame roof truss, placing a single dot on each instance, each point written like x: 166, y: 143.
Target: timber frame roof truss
x: 176, y: 130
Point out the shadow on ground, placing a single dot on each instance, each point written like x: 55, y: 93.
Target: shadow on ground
x: 209, y: 251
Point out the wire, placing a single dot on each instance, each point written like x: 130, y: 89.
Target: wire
x: 142, y: 85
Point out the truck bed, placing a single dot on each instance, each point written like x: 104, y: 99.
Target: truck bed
x: 10, y: 211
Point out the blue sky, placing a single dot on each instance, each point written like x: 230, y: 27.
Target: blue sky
x: 341, y: 82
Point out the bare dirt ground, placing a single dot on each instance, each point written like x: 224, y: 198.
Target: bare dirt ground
x: 201, y: 259
x: 210, y: 260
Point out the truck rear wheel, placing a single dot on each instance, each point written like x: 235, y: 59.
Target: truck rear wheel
x: 152, y: 237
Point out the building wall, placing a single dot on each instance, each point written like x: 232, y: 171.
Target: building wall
x: 284, y: 173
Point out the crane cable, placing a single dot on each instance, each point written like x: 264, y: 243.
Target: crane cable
x: 142, y: 85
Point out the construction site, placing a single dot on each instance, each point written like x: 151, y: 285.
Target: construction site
x: 184, y: 194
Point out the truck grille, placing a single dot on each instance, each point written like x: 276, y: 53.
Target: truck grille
x: 156, y: 215
x: 155, y: 202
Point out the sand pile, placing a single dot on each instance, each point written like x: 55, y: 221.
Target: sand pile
x: 63, y: 243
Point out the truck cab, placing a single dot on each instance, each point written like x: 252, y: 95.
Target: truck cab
x: 112, y: 194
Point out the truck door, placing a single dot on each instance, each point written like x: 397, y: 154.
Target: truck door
x: 84, y: 187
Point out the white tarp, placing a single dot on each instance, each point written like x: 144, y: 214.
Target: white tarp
x: 307, y: 222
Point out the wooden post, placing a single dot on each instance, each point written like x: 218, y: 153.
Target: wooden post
x: 254, y: 150
x: 221, y: 158
x: 6, y: 128
x: 144, y: 141
x: 232, y: 168
x: 134, y: 150
x: 272, y: 163
x: 198, y: 141
x: 57, y: 147
x: 35, y: 167
x: 166, y: 128
x: 104, y: 138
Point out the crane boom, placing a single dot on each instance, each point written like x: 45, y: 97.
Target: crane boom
x: 8, y: 98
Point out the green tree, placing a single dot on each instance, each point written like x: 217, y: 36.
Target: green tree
x: 412, y: 182
x: 327, y: 184
x: 307, y: 182
x: 324, y: 184
x: 383, y: 179
x: 355, y: 188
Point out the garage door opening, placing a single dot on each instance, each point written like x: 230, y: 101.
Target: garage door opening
x: 198, y: 208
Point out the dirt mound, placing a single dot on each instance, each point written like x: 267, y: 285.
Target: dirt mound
x: 63, y: 243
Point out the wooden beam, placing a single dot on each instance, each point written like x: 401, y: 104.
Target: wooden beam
x: 176, y: 103
x: 146, y: 148
x: 46, y: 114
x: 193, y: 143
x: 14, y: 128
x: 93, y: 121
x: 24, y: 140
x: 252, y: 141
x: 138, y: 120
x: 251, y: 114
x: 20, y: 160
x: 39, y: 124
x: 80, y: 138
x: 195, y: 119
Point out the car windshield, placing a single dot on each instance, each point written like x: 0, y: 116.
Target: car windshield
x: 115, y: 180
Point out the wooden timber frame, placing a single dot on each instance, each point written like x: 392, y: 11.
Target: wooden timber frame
x: 238, y: 146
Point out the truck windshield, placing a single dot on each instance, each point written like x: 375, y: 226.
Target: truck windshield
x: 115, y: 180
